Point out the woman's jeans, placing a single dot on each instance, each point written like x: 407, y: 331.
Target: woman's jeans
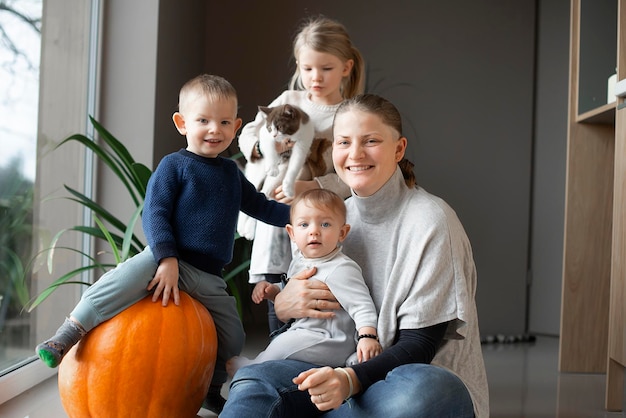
x: 411, y: 390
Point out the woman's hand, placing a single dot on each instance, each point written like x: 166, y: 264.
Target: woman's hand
x: 327, y: 387
x: 166, y: 281
x: 303, y: 298
x: 301, y: 187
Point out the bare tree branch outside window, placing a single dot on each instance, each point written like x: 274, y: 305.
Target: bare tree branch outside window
x: 20, y: 45
x: 7, y: 39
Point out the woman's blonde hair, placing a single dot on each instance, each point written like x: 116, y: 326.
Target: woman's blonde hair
x: 329, y: 36
x: 390, y: 116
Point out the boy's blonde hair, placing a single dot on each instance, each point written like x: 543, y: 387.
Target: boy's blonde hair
x: 206, y: 85
x: 320, y: 198
x: 329, y: 36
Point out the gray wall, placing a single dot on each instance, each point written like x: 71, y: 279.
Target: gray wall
x: 550, y: 146
x: 463, y: 75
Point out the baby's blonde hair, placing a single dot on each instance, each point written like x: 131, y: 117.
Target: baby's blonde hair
x: 329, y: 36
x: 206, y: 85
x: 320, y: 198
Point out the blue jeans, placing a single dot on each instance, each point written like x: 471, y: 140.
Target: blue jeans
x: 411, y: 390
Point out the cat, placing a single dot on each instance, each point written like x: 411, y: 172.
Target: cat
x: 285, y: 123
x: 282, y: 123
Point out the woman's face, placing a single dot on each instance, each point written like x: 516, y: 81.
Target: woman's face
x: 365, y: 150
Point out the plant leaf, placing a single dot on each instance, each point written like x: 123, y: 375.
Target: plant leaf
x: 142, y: 174
x: 96, y: 208
x: 235, y: 292
x: 60, y: 281
x: 122, y: 172
x: 232, y: 273
x: 129, y: 232
x: 107, y: 234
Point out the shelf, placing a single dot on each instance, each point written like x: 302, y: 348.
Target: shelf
x: 603, y: 115
x: 598, y: 52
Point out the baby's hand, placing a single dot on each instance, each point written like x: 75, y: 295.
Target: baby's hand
x: 264, y: 290
x: 367, y: 349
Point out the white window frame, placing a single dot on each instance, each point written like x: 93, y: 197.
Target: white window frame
x: 67, y: 95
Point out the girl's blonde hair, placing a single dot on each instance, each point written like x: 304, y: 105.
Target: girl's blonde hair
x: 390, y: 116
x: 329, y: 36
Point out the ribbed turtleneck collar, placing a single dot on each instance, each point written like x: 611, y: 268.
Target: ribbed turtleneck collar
x: 377, y: 207
x: 321, y: 107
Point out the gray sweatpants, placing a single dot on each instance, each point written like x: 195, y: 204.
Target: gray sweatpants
x: 125, y: 285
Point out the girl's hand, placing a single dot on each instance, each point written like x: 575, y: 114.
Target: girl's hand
x: 284, y: 145
x: 301, y: 187
x: 327, y: 387
x: 166, y: 281
x: 303, y: 298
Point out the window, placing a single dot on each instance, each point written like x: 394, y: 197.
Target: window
x: 57, y: 100
x: 20, y: 29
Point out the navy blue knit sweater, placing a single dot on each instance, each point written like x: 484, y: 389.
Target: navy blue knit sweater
x: 191, y: 209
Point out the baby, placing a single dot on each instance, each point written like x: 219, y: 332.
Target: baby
x: 318, y: 225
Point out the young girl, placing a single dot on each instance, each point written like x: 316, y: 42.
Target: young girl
x: 329, y: 69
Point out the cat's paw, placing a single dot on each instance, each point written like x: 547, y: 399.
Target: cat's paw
x: 289, y: 189
x: 246, y: 226
x: 272, y: 171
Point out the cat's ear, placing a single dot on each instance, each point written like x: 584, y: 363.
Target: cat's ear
x: 290, y: 111
x: 297, y: 113
x: 265, y: 109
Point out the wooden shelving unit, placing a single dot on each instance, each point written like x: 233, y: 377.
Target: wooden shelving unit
x: 593, y: 311
x: 589, y: 201
x: 617, y: 312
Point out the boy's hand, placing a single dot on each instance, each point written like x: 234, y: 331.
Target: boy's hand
x: 165, y: 281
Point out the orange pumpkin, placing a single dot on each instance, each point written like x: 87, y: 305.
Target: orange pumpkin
x: 148, y: 361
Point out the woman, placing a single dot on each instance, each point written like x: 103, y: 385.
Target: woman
x: 418, y: 264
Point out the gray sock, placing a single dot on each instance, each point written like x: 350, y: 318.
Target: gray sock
x: 53, y: 350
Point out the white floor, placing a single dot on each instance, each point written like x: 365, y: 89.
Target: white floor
x: 523, y: 381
